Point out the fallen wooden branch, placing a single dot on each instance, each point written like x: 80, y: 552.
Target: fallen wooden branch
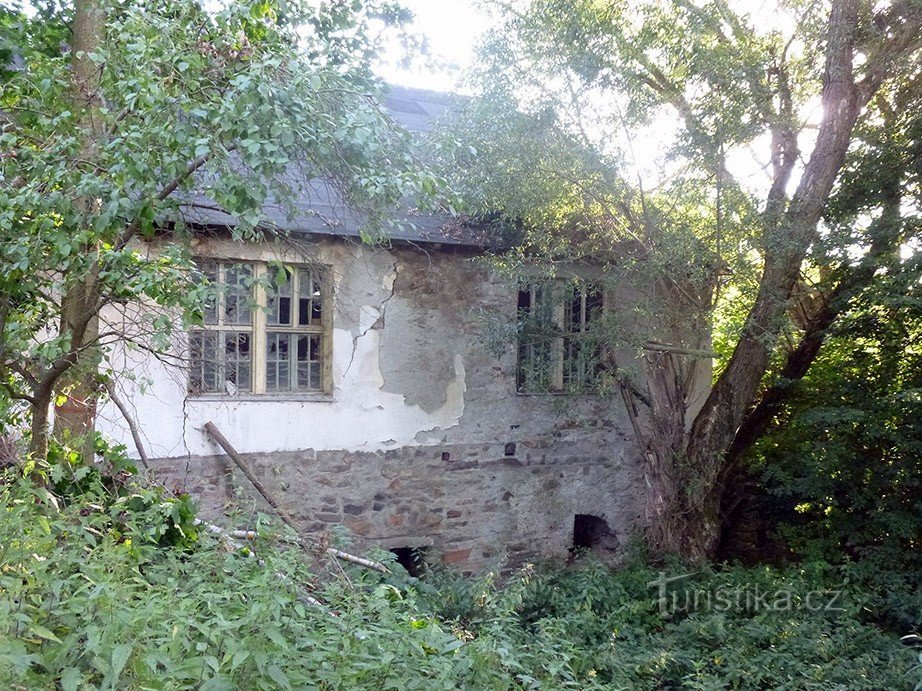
x: 221, y: 441
x: 228, y: 537
x: 303, y: 540
x: 360, y: 561
x: 332, y: 551
x: 223, y: 534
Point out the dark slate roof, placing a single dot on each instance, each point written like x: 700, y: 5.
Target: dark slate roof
x: 418, y: 109
x: 319, y: 210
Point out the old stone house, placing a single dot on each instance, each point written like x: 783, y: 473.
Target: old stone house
x: 363, y: 394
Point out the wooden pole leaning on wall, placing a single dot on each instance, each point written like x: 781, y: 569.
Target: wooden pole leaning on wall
x: 303, y: 540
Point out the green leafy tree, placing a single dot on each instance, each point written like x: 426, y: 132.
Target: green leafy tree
x: 836, y: 436
x: 576, y: 95
x: 114, y: 115
x: 840, y: 467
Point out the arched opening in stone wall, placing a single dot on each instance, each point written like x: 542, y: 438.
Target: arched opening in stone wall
x: 592, y: 533
x: 413, y: 559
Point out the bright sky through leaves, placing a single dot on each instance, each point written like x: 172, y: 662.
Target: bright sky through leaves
x: 453, y: 29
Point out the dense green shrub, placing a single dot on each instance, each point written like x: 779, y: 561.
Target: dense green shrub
x: 842, y: 470
x: 106, y: 584
x: 90, y: 599
x: 608, y: 628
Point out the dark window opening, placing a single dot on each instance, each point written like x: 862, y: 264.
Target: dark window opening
x: 509, y: 449
x: 592, y: 533
x: 446, y: 456
x: 413, y: 559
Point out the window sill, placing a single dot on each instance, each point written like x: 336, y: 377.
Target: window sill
x: 313, y: 397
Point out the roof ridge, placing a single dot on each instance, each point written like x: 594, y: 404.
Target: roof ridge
x: 418, y: 93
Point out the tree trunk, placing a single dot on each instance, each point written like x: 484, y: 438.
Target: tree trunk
x: 75, y: 419
x: 684, y: 499
x: 681, y: 508
x: 40, y: 405
x: 75, y: 415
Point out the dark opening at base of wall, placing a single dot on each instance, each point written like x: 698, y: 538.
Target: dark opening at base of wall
x: 592, y: 533
x: 413, y: 559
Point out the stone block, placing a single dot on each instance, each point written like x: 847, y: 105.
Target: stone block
x: 357, y: 526
x: 457, y: 556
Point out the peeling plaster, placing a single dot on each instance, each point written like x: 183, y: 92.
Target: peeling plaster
x: 360, y: 415
x: 371, y: 317
x: 408, y: 369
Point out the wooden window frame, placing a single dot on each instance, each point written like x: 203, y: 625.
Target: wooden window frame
x: 558, y: 381
x: 260, y: 327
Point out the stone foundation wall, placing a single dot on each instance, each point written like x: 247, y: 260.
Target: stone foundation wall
x: 476, y: 506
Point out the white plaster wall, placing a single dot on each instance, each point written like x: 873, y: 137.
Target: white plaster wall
x: 358, y: 415
x: 408, y: 368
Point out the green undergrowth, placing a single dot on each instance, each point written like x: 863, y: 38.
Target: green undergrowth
x: 106, y: 584
x: 731, y: 627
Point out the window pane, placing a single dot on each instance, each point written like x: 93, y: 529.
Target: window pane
x: 279, y: 301
x: 272, y: 354
x: 304, y: 375
x: 237, y: 290
x: 539, y: 334
x: 208, y: 271
x: 195, y: 361
x: 593, y: 306
x: 536, y: 365
x: 309, y: 298
x: 203, y: 356
x: 308, y: 357
x: 573, y: 312
x: 573, y: 365
x: 220, y: 362
x: 278, y: 362
x: 236, y: 361
x: 581, y: 366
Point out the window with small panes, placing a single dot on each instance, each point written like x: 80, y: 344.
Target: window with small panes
x: 556, y: 351
x: 265, y: 330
